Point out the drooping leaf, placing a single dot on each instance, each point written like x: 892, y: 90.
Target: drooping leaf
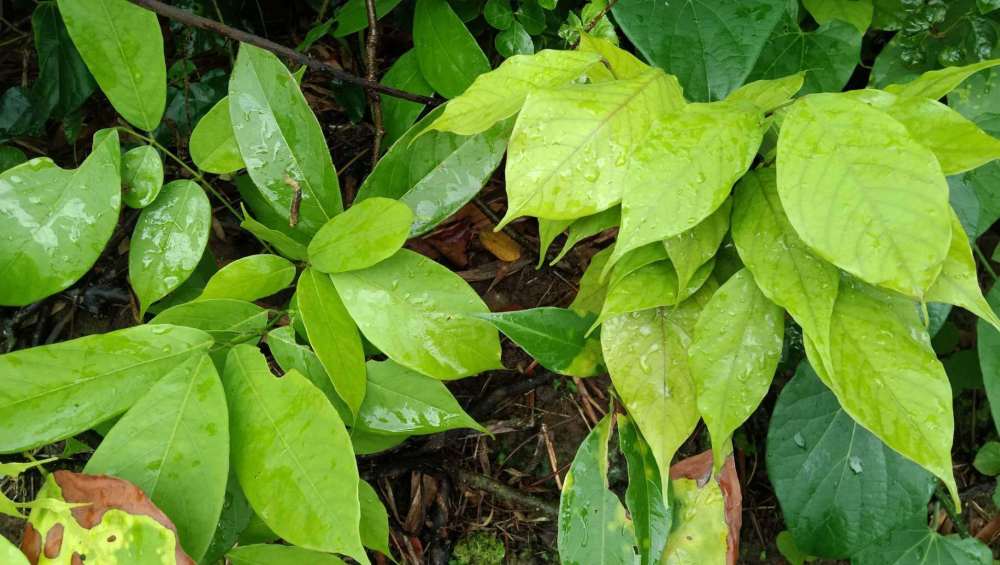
x: 925, y: 546
x: 548, y: 231
x: 398, y: 114
x: 499, y: 94
x: 213, y: 144
x: 436, y: 173
x: 280, y: 140
x: 768, y: 94
x: 710, y: 45
x: 286, y: 437
x: 855, y: 12
x: 828, y: 55
x: 100, y: 376
x: 555, y: 337
x: 585, y: 227
x: 229, y: 322
x: 374, y: 520
x: 368, y: 232
x: 593, y: 526
x: 174, y: 445
x: 142, y: 176
x: 734, y: 353
x: 417, y: 312
x: 284, y: 244
x: 250, y: 278
x: 449, y: 57
x: 289, y: 355
x: 887, y: 377
x: 645, y: 498
x: 651, y: 286
x: 63, y: 83
x: 689, y: 250
x: 590, y: 297
x: 620, y: 63
x: 938, y: 83
x: 274, y: 554
x: 850, y: 156
x: 582, y: 170
x: 401, y: 401
x: 839, y: 486
x: 958, y: 282
x: 123, y: 48
x: 333, y: 335
x: 988, y: 344
x: 168, y: 241
x: 55, y: 222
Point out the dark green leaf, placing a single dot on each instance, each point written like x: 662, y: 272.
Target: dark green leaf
x: 927, y: 547
x: 555, y: 337
x: 398, y: 114
x: 63, y: 82
x: 449, y: 57
x: 646, y: 498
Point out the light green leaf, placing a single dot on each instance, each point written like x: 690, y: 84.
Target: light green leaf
x: 555, y: 337
x: 888, y: 379
x: 449, y: 57
x: 499, y: 94
x: 290, y: 355
x: 768, y: 94
x: 374, y: 520
x: 647, y: 357
x: 650, y: 287
x: 590, y: 297
x: 122, y: 46
x: 828, y: 55
x: 583, y: 169
x: 368, y: 232
x: 593, y: 526
x: 402, y: 401
x: 927, y: 547
x: 174, y: 445
x: 645, y: 497
x: 286, y: 437
x: 101, y: 376
x: 851, y: 157
x: 938, y: 83
x: 987, y: 459
x: 213, y: 144
x: 436, y: 173
x: 826, y: 471
x: 274, y: 554
x: 142, y: 176
x: 367, y: 443
x: 958, y: 282
x: 250, y: 278
x: 398, y: 114
x: 703, y: 149
x: 689, y: 250
x: 785, y: 270
x: 229, y: 322
x: 585, y: 227
x: 735, y: 351
x: 416, y: 311
x: 55, y: 222
x: 282, y: 243
x: 621, y: 63
x: 168, y: 241
x: 280, y: 140
x: 10, y: 554
x: 333, y: 335
x: 700, y: 532
x: 192, y: 287
x: 548, y: 231
x: 855, y: 12
x: 635, y: 260
x: 353, y: 15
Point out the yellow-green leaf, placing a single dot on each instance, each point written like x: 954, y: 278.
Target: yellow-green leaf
x: 213, y: 144
x: 855, y: 12
x: 768, y: 94
x: 250, y: 278
x: 368, y: 232
x: 142, y: 176
x: 938, y: 83
x: 621, y: 63
x: 699, y: 534
x: 689, y: 250
x: 958, y: 282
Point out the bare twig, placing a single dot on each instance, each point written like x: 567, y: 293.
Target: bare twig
x: 506, y: 493
x: 293, y: 211
x: 551, y: 452
x: 371, y: 64
x: 604, y: 11
x: 189, y: 19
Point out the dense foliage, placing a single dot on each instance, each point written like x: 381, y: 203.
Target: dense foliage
x: 776, y: 205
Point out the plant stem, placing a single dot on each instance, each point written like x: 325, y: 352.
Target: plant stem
x: 985, y: 262
x: 371, y: 65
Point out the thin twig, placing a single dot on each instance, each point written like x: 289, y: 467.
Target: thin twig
x: 293, y: 211
x: 551, y: 452
x: 505, y: 493
x: 371, y: 64
x: 604, y: 11
x: 189, y: 19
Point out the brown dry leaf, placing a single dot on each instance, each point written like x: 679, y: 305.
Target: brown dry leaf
x: 699, y: 468
x: 500, y: 245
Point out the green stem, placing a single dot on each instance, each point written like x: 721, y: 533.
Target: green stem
x: 985, y: 262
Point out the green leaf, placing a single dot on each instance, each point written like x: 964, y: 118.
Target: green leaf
x: 555, y: 337
x: 290, y: 355
x: 548, y: 231
x: 593, y: 526
x: 850, y: 157
x: 647, y: 357
x: 987, y: 459
x: 699, y: 533
x: 418, y: 313
x: 235, y: 518
x: 593, y: 288
x: 828, y: 55
x: 689, y: 250
x: 168, y: 241
x: 10, y: 554
x: 353, y: 15
x: 229, y: 322
x: 273, y: 554
x: 174, y: 445
x: 282, y: 242
x: 63, y: 82
x: 514, y: 41
x: 333, y: 335
x: 768, y: 94
x: 250, y: 278
x: 286, y: 437
x: 888, y: 378
x: 635, y: 260
x: 142, y: 176
x: 401, y: 401
x: 645, y: 497
x: 711, y: 45
x: 938, y: 83
x: 280, y: 140
x: 436, y: 173
x: 370, y: 231
x: 987, y: 345
x: 449, y: 57
x: 585, y: 227
x: 100, y: 376
x: 927, y: 547
x: 785, y: 270
x: 704, y: 149
x: 958, y: 282
x: 56, y: 221
x: 499, y: 94
x: 398, y: 114
x: 650, y: 287
x: 571, y: 145
x: 855, y: 12
x: 734, y: 353
x: 839, y: 486
x: 10, y: 157
x: 620, y: 63
x: 192, y: 287
x: 498, y: 14
x: 123, y: 47
x: 374, y: 520
x: 213, y: 144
